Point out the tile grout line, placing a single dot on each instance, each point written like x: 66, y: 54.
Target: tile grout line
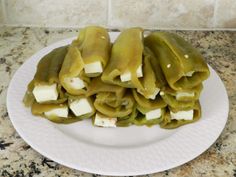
x: 117, y: 28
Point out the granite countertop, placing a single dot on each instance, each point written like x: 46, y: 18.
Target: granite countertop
x: 19, y: 159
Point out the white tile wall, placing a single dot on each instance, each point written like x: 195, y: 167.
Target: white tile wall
x: 225, y: 13
x: 1, y: 12
x: 56, y: 12
x: 162, y: 14
x: 173, y: 14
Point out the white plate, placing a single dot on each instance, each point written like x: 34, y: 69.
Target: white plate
x: 116, y: 151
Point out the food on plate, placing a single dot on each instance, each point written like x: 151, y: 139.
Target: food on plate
x: 45, y: 86
x: 111, y: 100
x: 71, y: 75
x: 183, y: 66
x: 94, y: 44
x: 174, y: 118
x: 137, y: 80
x: 125, y: 64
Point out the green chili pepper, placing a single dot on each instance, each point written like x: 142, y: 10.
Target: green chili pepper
x: 94, y: 44
x: 168, y: 123
x: 126, y: 57
x: 182, y: 65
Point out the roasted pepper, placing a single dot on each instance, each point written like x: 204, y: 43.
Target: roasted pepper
x: 169, y: 123
x: 111, y: 100
x: 47, y: 72
x: 94, y: 45
x: 72, y: 75
x: 182, y: 65
x: 125, y: 65
x: 44, y: 110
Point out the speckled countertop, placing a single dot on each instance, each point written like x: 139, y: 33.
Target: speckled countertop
x: 18, y: 159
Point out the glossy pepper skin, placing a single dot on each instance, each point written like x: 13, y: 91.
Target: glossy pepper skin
x: 94, y: 45
x: 111, y: 100
x: 126, y: 55
x: 149, y: 81
x: 140, y: 119
x: 177, y: 58
x: 127, y: 120
x: 72, y: 67
x: 47, y: 72
x: 148, y: 104
x: 145, y: 105
x: 39, y: 109
x: 169, y: 96
x: 167, y: 123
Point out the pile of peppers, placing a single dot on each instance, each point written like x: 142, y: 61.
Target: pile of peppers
x: 169, y: 65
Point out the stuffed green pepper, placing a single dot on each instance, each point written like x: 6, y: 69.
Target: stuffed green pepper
x: 72, y: 76
x: 45, y: 86
x: 125, y: 65
x: 94, y: 45
x: 177, y: 117
x: 182, y: 65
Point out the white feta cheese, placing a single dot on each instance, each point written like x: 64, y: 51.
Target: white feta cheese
x: 95, y: 67
x: 126, y: 76
x: 58, y: 112
x: 154, y: 114
x: 153, y: 96
x: 139, y: 71
x: 186, y: 115
x: 44, y: 93
x: 74, y: 82
x: 189, y: 74
x: 184, y: 94
x: 103, y: 121
x: 81, y: 106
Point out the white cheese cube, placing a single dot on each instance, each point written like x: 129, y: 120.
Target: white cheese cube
x: 103, y: 121
x: 154, y: 114
x: 95, y: 67
x: 81, y: 106
x: 45, y: 92
x: 57, y: 112
x: 126, y: 76
x: 153, y: 96
x: 186, y: 115
x: 189, y: 74
x: 139, y: 71
x: 184, y: 94
x: 74, y: 82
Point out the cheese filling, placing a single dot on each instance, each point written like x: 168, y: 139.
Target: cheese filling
x: 153, y: 96
x: 44, y: 93
x: 95, y: 67
x: 189, y: 74
x: 74, y: 82
x: 180, y: 95
x: 81, y: 107
x: 57, y: 112
x: 103, y: 121
x: 186, y: 115
x: 154, y: 114
x: 126, y: 76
